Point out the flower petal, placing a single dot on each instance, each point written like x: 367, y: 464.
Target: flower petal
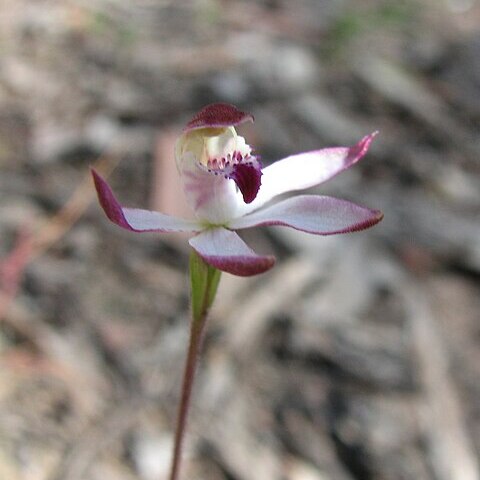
x: 226, y: 251
x: 213, y: 198
x: 135, y: 219
x: 313, y: 214
x: 218, y: 115
x: 306, y: 170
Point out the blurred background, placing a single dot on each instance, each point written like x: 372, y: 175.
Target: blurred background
x: 356, y: 358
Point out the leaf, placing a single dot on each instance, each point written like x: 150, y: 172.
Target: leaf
x: 204, y: 281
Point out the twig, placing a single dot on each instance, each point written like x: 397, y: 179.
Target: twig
x: 31, y: 245
x: 11, y: 269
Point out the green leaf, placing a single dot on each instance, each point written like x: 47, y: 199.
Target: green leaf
x: 204, y: 281
x: 213, y: 281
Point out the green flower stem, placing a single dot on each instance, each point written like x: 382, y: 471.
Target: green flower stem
x: 203, y: 282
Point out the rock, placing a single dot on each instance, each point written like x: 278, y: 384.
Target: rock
x: 152, y: 454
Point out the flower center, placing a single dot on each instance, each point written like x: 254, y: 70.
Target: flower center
x: 224, y: 165
x: 243, y: 168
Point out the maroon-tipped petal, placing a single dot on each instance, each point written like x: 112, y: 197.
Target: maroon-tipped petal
x: 218, y: 115
x: 315, y: 214
x: 136, y: 219
x: 356, y: 152
x: 308, y: 169
x: 108, y: 202
x: 226, y: 251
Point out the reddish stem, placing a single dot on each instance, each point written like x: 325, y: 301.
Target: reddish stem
x: 196, y: 340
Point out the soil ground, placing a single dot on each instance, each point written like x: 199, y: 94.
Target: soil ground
x: 355, y: 358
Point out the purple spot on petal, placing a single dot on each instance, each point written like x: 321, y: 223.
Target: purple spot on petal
x: 248, y: 179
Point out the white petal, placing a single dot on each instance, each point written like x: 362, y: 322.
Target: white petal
x: 312, y: 214
x: 306, y: 170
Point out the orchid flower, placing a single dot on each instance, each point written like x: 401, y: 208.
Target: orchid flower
x: 228, y: 190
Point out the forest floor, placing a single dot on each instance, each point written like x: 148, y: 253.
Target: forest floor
x: 355, y: 358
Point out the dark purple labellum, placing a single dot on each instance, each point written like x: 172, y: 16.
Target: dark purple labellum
x: 247, y: 176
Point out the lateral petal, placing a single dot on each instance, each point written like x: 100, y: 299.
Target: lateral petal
x: 136, y: 219
x: 225, y: 250
x: 315, y: 214
x: 306, y: 170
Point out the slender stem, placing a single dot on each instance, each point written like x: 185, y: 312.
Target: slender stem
x: 196, y: 337
x: 204, y: 282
